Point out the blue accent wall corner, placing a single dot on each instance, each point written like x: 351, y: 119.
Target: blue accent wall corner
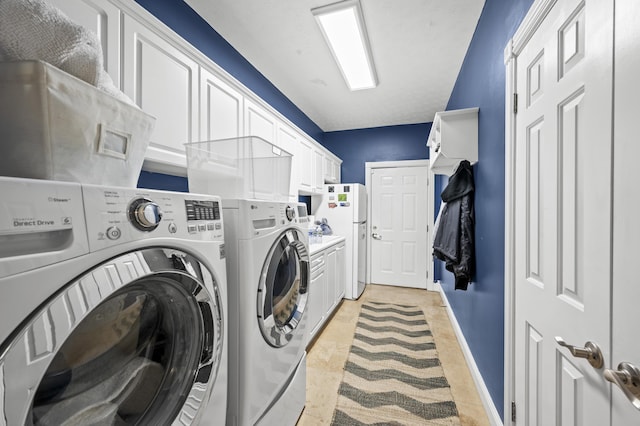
x: 389, y: 143
x: 481, y: 83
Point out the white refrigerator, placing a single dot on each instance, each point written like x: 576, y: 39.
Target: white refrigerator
x: 344, y: 205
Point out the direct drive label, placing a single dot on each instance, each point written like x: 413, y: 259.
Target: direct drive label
x: 29, y: 222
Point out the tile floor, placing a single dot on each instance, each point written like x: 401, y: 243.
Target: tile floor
x: 327, y: 355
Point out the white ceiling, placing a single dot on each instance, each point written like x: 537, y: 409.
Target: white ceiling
x: 418, y: 47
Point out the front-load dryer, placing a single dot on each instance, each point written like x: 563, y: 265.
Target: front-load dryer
x: 268, y: 280
x: 112, y: 306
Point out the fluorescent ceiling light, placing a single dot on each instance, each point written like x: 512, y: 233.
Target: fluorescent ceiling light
x: 342, y: 25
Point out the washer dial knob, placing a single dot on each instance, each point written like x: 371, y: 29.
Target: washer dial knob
x: 145, y: 214
x: 290, y: 213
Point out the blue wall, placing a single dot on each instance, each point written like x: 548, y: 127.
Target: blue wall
x: 481, y: 83
x: 163, y: 182
x: 390, y: 143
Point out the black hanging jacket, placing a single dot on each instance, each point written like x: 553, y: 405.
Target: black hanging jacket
x: 454, y: 240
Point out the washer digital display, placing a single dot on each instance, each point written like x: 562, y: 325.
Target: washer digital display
x: 202, y: 210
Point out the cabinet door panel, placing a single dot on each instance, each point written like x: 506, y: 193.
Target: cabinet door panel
x: 162, y: 80
x: 318, y: 179
x: 316, y: 298
x: 287, y: 139
x: 306, y: 166
x: 221, y: 108
x: 103, y: 18
x: 330, y: 294
x: 340, y: 273
x: 259, y: 122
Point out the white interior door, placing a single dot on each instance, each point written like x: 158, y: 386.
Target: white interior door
x: 626, y: 226
x: 399, y: 232
x: 562, y: 217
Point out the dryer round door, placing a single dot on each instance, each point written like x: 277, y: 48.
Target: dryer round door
x: 137, y: 340
x: 283, y: 288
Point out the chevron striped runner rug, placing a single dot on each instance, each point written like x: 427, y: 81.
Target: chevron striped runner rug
x: 393, y: 375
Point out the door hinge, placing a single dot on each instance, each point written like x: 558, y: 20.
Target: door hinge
x: 513, y: 411
x: 515, y: 103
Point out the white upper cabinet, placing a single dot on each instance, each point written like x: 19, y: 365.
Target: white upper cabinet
x: 331, y: 169
x: 306, y: 182
x: 318, y: 164
x: 221, y: 109
x: 259, y: 122
x: 287, y: 139
x: 312, y: 174
x: 163, y: 81
x: 453, y: 138
x: 103, y: 18
x: 191, y: 97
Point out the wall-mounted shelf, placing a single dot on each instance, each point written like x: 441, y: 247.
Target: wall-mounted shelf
x: 453, y: 138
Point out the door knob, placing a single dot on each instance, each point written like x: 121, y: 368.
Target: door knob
x: 627, y: 378
x: 591, y: 352
x: 376, y: 236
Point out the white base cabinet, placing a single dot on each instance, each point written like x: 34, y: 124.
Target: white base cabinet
x: 327, y: 283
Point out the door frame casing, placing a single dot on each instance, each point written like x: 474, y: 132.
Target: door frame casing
x: 531, y: 22
x: 369, y: 167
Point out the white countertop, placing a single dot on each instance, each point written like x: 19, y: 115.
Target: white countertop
x: 327, y: 241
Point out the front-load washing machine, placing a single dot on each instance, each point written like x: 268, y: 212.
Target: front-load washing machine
x: 112, y: 306
x: 268, y: 281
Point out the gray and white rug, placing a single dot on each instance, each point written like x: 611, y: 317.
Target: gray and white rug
x: 393, y: 375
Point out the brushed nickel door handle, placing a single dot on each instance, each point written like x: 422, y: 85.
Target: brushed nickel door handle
x: 591, y: 352
x: 627, y: 378
x: 376, y: 236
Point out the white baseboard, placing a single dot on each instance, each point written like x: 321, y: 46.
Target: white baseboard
x: 490, y: 408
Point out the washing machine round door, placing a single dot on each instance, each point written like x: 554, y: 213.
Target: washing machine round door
x: 136, y: 340
x: 283, y: 288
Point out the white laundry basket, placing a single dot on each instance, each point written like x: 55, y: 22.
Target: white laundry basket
x: 58, y: 127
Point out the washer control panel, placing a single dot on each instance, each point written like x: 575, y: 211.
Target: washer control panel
x: 118, y: 215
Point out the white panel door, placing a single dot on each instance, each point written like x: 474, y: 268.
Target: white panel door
x: 563, y: 215
x: 221, y: 109
x: 103, y: 18
x: 259, y: 122
x: 626, y: 226
x: 163, y: 81
x: 399, y: 226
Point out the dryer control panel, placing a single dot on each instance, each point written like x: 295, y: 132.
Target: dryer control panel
x: 118, y: 215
